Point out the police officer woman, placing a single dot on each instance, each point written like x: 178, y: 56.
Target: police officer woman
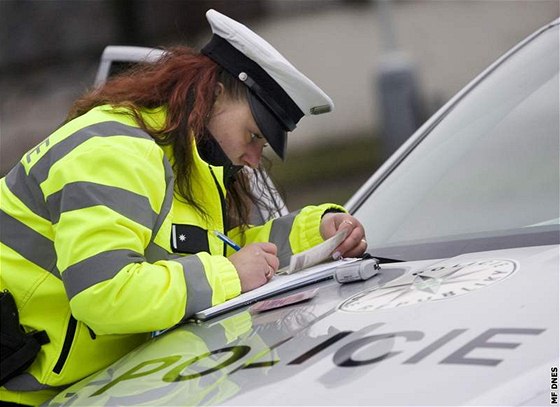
x: 107, y: 225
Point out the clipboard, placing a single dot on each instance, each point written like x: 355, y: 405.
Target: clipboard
x: 278, y: 285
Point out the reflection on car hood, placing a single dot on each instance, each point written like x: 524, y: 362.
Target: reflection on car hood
x: 480, y: 328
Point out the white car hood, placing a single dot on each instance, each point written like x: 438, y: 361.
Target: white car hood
x: 480, y: 328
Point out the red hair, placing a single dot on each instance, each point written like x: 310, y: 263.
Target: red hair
x: 183, y: 81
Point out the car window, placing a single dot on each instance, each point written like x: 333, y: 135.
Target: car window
x: 486, y: 176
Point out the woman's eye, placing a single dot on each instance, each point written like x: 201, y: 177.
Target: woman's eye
x: 256, y: 137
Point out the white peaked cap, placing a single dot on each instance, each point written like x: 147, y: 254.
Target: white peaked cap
x: 279, y: 94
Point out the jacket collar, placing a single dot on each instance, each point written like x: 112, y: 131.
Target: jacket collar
x: 206, y: 149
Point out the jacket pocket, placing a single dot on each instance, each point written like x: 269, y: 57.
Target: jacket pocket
x: 68, y: 339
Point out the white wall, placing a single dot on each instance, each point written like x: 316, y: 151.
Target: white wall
x: 338, y: 47
x: 449, y: 42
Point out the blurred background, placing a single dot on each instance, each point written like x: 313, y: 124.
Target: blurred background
x: 387, y: 64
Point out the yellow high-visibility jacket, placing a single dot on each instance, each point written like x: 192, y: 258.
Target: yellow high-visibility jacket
x: 98, y: 252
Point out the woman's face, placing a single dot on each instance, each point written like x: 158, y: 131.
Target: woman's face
x: 233, y: 126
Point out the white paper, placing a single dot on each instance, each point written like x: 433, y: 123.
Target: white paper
x: 315, y: 255
x: 278, y: 284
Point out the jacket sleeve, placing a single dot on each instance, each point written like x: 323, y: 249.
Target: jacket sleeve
x: 292, y: 233
x: 107, y: 202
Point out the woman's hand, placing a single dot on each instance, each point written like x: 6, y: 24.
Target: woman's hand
x: 256, y: 264
x: 355, y: 243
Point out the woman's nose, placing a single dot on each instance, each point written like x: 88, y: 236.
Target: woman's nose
x: 254, y: 155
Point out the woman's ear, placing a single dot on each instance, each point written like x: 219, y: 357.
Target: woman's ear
x: 219, y: 89
x: 219, y: 93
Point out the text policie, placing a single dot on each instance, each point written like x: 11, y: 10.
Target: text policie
x: 171, y: 368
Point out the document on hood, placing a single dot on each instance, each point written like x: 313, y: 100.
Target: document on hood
x: 277, y: 285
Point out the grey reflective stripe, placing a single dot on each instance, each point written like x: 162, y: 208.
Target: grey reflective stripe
x: 168, y: 201
x: 155, y: 253
x: 29, y: 244
x: 280, y: 236
x: 26, y: 382
x: 104, y: 129
x: 26, y: 189
x: 98, y: 268
x: 79, y: 195
x: 199, y: 292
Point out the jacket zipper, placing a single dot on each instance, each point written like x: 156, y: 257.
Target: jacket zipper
x: 68, y: 339
x: 223, y: 202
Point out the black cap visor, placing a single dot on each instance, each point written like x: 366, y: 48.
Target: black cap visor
x: 269, y: 126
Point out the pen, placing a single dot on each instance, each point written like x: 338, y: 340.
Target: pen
x: 227, y: 240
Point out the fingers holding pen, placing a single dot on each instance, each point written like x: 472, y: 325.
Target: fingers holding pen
x: 269, y: 252
x: 266, y: 247
x: 256, y: 264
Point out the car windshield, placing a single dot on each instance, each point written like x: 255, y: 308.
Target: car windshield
x: 486, y: 176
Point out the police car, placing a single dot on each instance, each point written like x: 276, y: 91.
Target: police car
x: 464, y: 219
